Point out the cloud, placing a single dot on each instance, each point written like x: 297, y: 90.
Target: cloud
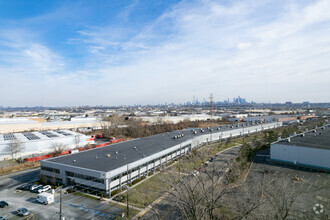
x: 244, y: 45
x: 276, y: 51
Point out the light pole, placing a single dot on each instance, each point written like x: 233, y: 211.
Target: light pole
x: 127, y: 194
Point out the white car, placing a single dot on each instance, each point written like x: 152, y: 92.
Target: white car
x: 44, y: 189
x: 34, y: 187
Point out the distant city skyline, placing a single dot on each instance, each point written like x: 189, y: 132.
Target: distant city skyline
x: 75, y: 53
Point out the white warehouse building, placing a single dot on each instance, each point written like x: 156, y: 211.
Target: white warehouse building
x: 110, y: 167
x: 309, y: 149
x: 41, y: 142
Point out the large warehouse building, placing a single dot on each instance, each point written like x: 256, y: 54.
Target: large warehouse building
x: 8, y: 125
x: 110, y: 167
x: 310, y: 149
x: 34, y: 143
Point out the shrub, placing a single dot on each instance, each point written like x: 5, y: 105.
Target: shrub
x: 115, y: 192
x: 150, y: 173
x: 136, y: 181
x: 157, y: 169
x: 143, y: 177
x: 70, y: 190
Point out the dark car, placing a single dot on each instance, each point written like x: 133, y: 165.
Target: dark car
x: 3, y: 204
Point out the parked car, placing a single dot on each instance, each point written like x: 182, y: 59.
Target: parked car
x: 44, y: 189
x: 32, y: 188
x: 28, y: 186
x: 23, y: 212
x: 3, y: 204
x: 36, y: 189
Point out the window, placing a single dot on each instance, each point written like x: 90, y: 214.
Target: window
x: 49, y: 169
x: 85, y: 177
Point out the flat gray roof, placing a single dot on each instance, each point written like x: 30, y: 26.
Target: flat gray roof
x: 317, y: 138
x: 96, y: 159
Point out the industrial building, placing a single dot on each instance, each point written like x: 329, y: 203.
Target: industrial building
x: 10, y: 125
x: 40, y: 142
x: 110, y: 167
x: 309, y: 149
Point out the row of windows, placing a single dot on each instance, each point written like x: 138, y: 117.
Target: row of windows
x: 85, y: 177
x: 50, y: 169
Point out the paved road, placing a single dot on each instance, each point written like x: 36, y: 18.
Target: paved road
x: 13, y: 180
x: 167, y: 210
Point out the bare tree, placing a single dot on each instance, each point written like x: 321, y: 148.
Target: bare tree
x: 57, y: 148
x: 280, y: 195
x: 15, y: 147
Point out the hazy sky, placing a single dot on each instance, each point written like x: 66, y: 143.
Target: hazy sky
x: 60, y: 53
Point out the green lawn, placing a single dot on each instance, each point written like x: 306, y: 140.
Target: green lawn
x: 147, y: 192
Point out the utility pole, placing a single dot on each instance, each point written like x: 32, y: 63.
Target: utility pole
x: 211, y: 105
x: 61, y: 204
x: 127, y: 195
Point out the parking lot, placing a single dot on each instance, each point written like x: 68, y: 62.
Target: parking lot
x: 73, y: 206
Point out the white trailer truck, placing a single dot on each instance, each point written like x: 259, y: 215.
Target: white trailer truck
x: 45, y: 198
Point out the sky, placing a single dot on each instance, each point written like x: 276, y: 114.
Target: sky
x: 114, y: 52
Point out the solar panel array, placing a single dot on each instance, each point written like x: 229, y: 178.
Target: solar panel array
x: 31, y: 136
x: 63, y: 133
x: 8, y: 137
x: 48, y: 134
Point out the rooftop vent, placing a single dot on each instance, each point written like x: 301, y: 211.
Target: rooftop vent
x: 320, y: 133
x: 135, y: 148
x: 74, y: 161
x: 116, y: 152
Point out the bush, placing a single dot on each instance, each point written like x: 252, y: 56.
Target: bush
x: 150, y: 173
x: 115, y: 192
x: 70, y: 190
x: 157, y: 169
x: 136, y: 181
x: 143, y: 177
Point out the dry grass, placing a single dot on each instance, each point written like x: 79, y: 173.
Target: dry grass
x: 18, y: 167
